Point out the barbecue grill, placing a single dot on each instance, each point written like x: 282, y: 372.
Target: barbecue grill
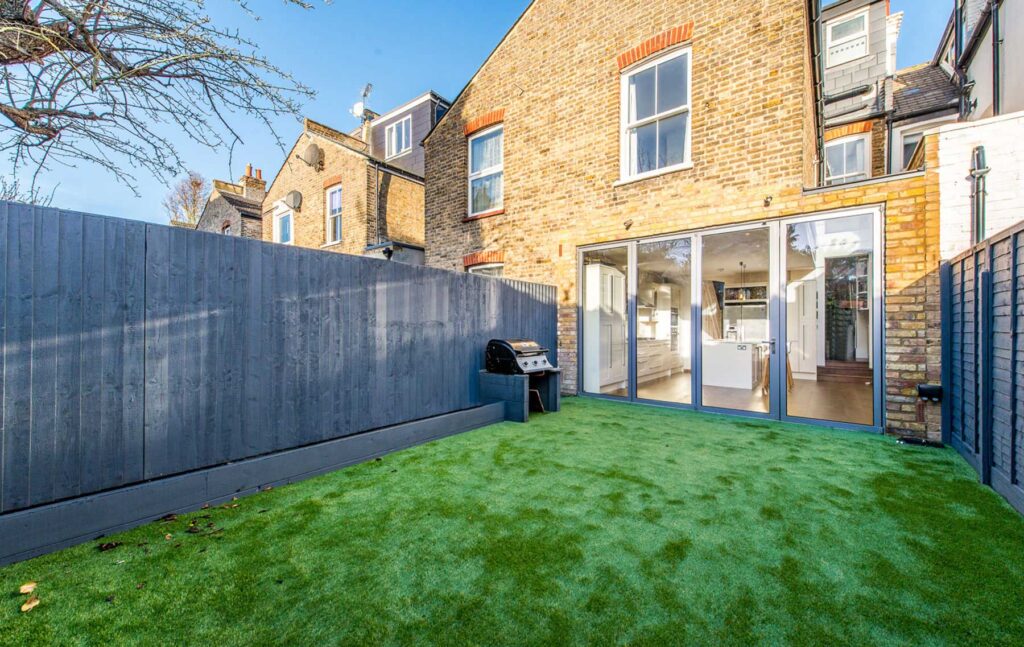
x: 516, y: 357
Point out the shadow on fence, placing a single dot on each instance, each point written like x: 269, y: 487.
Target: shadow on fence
x: 134, y: 351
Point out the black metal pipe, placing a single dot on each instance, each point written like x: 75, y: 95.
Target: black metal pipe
x: 997, y: 40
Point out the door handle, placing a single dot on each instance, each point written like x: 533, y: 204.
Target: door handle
x: 771, y: 345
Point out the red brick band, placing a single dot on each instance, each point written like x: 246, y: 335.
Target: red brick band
x: 858, y: 128
x: 664, y: 40
x: 485, y: 120
x: 481, y: 258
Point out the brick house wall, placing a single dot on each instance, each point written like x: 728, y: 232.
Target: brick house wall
x: 362, y: 180
x: 236, y: 205
x: 752, y: 138
x: 309, y: 225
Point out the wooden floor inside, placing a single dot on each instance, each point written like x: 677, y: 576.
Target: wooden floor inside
x: 839, y: 402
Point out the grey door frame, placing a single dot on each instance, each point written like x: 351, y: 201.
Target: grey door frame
x: 776, y: 313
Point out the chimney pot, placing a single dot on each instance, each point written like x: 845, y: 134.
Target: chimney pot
x: 248, y: 170
x: 259, y: 174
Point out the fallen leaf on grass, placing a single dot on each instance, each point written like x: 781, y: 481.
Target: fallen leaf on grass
x: 108, y: 545
x: 167, y: 518
x: 167, y: 537
x: 30, y: 604
x: 140, y: 585
x: 27, y: 588
x: 192, y: 530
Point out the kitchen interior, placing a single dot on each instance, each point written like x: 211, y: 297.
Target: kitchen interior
x: 829, y: 304
x: 734, y: 318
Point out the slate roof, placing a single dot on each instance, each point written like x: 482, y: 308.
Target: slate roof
x: 248, y: 207
x: 923, y: 88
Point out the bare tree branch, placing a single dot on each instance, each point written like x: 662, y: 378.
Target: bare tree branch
x: 110, y: 82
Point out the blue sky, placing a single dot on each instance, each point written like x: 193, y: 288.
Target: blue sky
x: 403, y: 47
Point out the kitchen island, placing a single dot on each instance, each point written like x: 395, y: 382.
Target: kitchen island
x: 733, y: 364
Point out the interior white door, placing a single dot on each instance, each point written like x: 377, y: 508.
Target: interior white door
x: 802, y: 325
x: 613, y: 326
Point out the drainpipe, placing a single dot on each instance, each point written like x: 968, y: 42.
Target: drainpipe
x: 818, y: 76
x: 978, y: 172
x: 997, y: 41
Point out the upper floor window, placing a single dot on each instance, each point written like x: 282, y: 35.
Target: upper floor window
x: 656, y: 115
x: 226, y: 229
x: 486, y: 171
x: 334, y: 214
x: 846, y: 39
x: 488, y: 269
x: 283, y: 228
x: 399, y: 137
x: 846, y: 160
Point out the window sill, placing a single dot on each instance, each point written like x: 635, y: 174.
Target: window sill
x: 397, y: 155
x: 486, y: 214
x: 333, y: 243
x: 650, y: 174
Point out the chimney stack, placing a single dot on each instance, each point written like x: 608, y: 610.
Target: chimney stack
x: 253, y: 187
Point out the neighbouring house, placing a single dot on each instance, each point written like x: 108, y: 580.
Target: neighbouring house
x: 359, y: 192
x: 986, y: 34
x: 668, y: 173
x: 235, y: 209
x: 859, y: 60
x: 980, y: 161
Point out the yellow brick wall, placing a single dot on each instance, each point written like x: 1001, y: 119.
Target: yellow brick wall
x: 557, y: 80
x: 401, y: 206
x: 309, y: 223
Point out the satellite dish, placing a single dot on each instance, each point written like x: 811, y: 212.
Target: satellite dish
x: 293, y: 200
x: 312, y: 155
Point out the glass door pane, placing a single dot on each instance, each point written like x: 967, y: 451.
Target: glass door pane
x: 830, y: 305
x: 605, y: 325
x: 663, y: 354
x: 735, y: 324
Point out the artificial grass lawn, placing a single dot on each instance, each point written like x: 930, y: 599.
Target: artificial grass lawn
x: 604, y: 523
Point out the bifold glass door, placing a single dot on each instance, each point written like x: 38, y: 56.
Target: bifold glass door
x: 737, y: 320
x: 778, y: 319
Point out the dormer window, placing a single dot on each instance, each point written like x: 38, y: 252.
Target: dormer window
x: 846, y: 39
x: 399, y: 137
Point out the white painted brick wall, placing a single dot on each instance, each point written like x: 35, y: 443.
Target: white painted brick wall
x: 1003, y: 139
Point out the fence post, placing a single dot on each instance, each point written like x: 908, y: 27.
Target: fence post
x: 946, y: 316
x: 986, y: 322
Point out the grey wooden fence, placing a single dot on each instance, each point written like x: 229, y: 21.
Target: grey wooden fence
x: 983, y: 360
x: 133, y: 351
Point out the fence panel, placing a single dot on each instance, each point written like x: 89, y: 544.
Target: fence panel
x: 133, y: 351
x: 984, y: 361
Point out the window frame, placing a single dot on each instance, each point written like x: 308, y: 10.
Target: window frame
x: 225, y: 229
x: 477, y: 269
x: 625, y: 125
x: 866, y: 137
x: 328, y: 216
x: 278, y: 217
x: 405, y: 123
x: 830, y: 43
x: 900, y: 132
x: 485, y: 172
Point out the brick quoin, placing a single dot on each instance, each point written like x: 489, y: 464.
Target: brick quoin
x: 664, y: 40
